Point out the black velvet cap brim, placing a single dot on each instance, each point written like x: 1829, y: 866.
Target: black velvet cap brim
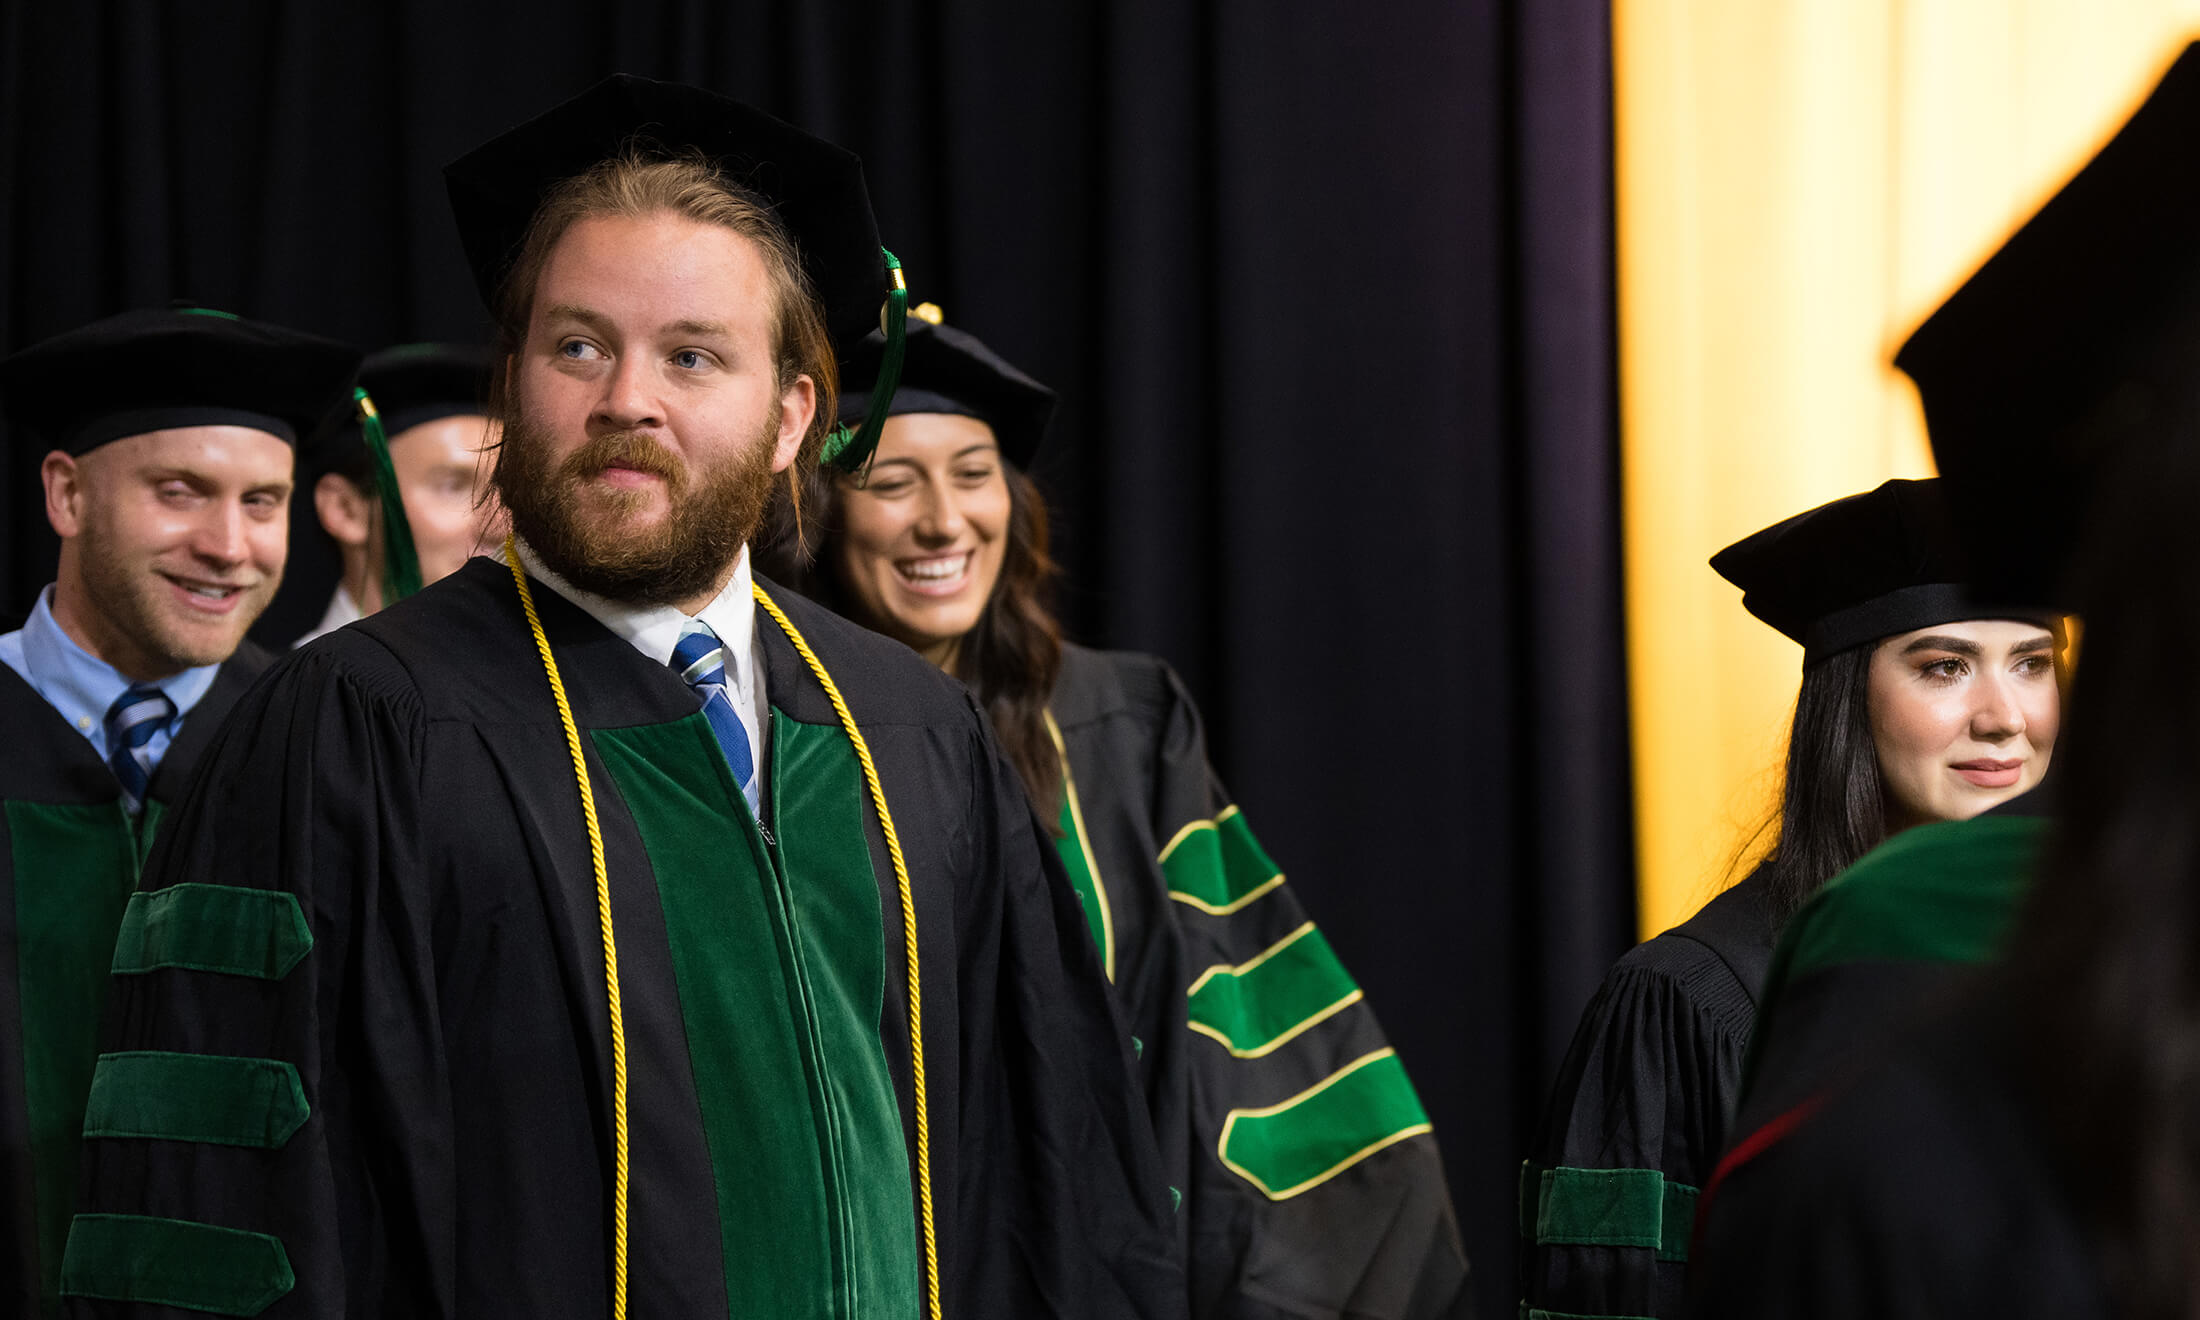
x: 411, y: 385
x: 946, y: 370
x: 154, y: 370
x: 1861, y: 568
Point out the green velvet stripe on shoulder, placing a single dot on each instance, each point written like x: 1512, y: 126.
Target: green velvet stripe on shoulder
x: 1287, y: 1148
x: 1945, y: 892
x: 1084, y: 876
x: 1607, y: 1208
x: 174, y: 1262
x: 211, y: 1098
x: 213, y: 928
x: 1217, y: 866
x: 1269, y: 1000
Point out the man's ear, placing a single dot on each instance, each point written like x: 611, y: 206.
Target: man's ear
x: 343, y: 510
x: 797, y: 405
x: 63, y: 478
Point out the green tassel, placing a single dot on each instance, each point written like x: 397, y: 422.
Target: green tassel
x: 851, y: 451
x: 400, y: 562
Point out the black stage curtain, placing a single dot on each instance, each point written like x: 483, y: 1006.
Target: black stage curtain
x: 1327, y: 290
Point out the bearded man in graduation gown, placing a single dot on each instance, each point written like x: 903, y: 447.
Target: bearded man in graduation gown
x: 603, y: 931
x: 168, y: 476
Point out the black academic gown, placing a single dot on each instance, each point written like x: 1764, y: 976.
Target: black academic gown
x: 69, y: 857
x: 1924, y: 1191
x: 371, y: 988
x: 1639, y: 1115
x: 1311, y: 1184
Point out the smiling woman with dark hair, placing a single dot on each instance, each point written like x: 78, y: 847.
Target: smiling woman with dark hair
x: 1309, y: 1183
x: 1916, y: 705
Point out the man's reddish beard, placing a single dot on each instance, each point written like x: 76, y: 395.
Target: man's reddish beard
x: 579, y: 527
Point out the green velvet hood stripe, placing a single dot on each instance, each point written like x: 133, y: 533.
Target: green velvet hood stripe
x: 175, y: 1262
x: 779, y: 961
x: 1607, y: 1208
x: 213, y: 928
x: 213, y: 1098
x: 1071, y: 844
x: 1944, y: 892
x: 1363, y: 1108
x: 1220, y: 868
x: 74, y: 868
x: 1262, y: 1004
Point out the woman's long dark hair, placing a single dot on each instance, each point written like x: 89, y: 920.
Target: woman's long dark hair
x: 2103, y: 979
x: 1832, y: 810
x: 1010, y: 659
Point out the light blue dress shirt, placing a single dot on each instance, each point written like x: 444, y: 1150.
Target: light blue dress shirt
x: 82, y: 686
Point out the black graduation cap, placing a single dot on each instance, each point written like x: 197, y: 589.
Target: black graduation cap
x: 414, y: 384
x: 151, y: 370
x: 815, y: 188
x: 411, y: 385
x: 948, y: 371
x: 1858, y: 569
x: 2077, y: 342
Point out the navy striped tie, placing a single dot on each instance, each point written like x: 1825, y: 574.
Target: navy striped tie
x: 138, y: 714
x: 700, y: 659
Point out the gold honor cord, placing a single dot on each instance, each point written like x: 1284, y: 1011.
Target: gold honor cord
x: 909, y: 944
x: 610, y: 940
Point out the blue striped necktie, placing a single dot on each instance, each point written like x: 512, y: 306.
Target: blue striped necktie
x: 700, y: 660
x: 138, y: 714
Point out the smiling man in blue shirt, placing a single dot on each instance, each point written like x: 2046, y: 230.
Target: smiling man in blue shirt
x: 170, y: 437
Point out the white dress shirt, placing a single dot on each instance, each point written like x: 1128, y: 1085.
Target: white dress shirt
x: 655, y: 629
x: 342, y: 609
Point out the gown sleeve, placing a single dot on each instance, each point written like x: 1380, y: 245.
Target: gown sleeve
x: 1633, y: 1129
x: 1066, y: 1208
x: 273, y: 1099
x: 1316, y: 1186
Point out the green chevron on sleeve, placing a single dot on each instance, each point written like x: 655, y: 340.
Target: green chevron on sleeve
x: 213, y: 928
x: 1608, y: 1208
x: 1217, y: 866
x: 174, y: 1262
x: 1300, y: 1143
x: 1267, y: 1001
x: 209, y: 1098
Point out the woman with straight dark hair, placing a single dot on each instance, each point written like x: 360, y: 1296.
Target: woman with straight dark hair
x: 1915, y: 706
x: 1309, y: 1182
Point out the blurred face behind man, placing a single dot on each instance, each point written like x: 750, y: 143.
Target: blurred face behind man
x: 438, y: 467
x: 441, y: 477
x: 172, y: 542
x: 648, y: 413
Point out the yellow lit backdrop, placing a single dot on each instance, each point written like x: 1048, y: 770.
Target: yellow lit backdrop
x: 1799, y: 183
